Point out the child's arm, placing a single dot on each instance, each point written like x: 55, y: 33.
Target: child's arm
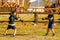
x: 51, y: 18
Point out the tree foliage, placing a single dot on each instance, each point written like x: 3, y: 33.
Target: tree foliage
x: 27, y: 4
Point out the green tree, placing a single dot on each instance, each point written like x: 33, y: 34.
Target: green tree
x: 27, y: 4
x: 47, y: 3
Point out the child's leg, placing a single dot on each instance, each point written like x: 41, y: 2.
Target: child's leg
x: 5, y: 32
x: 14, y: 32
x: 53, y: 31
x: 7, y: 29
x: 47, y: 31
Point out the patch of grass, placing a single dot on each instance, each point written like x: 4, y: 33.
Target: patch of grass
x: 27, y: 31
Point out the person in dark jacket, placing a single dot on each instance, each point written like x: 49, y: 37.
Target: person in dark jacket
x: 11, y: 24
x: 51, y: 23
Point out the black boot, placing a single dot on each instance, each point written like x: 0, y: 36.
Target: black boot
x: 53, y: 34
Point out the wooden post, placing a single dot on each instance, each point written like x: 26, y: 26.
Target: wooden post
x: 0, y: 3
x: 35, y: 17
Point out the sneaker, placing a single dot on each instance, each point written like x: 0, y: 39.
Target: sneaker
x: 53, y: 34
x: 14, y: 35
x: 4, y: 34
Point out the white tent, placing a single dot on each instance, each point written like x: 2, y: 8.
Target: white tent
x: 36, y: 3
x: 32, y: 0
